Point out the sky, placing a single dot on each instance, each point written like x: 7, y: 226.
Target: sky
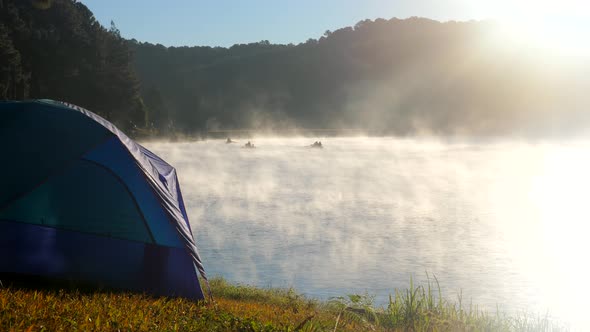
x: 225, y: 22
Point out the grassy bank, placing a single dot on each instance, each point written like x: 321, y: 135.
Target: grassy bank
x: 246, y: 308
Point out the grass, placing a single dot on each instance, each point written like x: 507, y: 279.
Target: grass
x: 247, y: 308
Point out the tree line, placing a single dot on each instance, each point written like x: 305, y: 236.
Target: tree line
x: 392, y: 76
x: 56, y: 49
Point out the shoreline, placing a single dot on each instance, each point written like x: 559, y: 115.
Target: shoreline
x: 246, y: 308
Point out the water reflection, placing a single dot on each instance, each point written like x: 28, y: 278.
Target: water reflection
x: 505, y: 223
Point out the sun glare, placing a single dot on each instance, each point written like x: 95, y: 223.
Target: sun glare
x: 561, y: 193
x: 555, y: 27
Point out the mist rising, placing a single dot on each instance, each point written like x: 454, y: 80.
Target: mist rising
x: 502, y: 222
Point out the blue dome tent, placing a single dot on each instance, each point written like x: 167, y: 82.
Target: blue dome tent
x: 82, y: 202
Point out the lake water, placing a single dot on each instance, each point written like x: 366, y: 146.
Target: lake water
x: 501, y: 224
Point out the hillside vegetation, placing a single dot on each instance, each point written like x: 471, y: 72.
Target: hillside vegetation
x: 387, y: 76
x: 390, y: 77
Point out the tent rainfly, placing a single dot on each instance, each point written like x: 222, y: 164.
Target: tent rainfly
x: 80, y: 202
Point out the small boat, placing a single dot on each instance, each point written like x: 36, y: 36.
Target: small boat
x: 317, y: 145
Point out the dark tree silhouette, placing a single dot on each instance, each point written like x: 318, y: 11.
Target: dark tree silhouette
x: 56, y: 49
x: 391, y: 76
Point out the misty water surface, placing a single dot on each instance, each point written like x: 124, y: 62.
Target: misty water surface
x: 500, y: 223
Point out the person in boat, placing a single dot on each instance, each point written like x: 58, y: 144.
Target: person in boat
x: 249, y: 145
x: 229, y: 141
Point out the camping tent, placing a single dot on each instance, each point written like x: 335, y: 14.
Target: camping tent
x: 80, y: 202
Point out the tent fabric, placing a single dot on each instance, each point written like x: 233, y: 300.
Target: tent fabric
x: 82, y: 201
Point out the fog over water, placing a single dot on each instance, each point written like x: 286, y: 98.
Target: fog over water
x: 504, y: 223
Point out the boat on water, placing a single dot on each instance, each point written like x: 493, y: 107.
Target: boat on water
x: 317, y: 145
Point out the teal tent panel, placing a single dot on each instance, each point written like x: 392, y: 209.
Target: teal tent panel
x: 34, y: 133
x: 86, y: 198
x: 115, y: 156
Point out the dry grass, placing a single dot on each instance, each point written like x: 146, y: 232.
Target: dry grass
x: 246, y: 308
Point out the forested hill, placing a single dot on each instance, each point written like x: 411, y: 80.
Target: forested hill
x: 56, y: 49
x: 383, y: 75
x: 393, y: 76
